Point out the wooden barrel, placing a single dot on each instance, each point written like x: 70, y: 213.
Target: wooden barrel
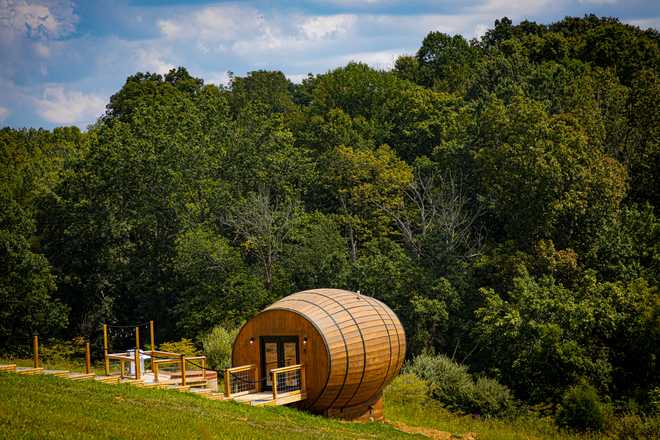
x: 352, y: 346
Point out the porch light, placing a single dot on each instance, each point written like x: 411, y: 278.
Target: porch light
x: 251, y: 341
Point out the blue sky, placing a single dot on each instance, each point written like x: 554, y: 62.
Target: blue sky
x: 60, y: 60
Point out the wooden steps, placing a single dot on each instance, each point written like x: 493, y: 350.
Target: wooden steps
x: 183, y: 389
x: 56, y: 373
x: 137, y: 382
x: 194, y: 385
x: 113, y: 380
x: 28, y: 371
x: 80, y: 376
x: 201, y: 391
x: 214, y: 396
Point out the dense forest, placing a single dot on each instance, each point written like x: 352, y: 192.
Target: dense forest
x: 499, y: 194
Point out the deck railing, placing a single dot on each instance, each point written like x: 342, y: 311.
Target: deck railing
x: 288, y: 381
x: 182, y: 361
x: 241, y: 380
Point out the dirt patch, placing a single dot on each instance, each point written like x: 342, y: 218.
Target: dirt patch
x: 432, y: 433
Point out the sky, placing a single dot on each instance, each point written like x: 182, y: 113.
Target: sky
x: 61, y: 60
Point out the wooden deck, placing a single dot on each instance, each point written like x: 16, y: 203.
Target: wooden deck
x: 266, y: 398
x: 197, y: 385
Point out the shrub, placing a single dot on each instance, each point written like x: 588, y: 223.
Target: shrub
x: 57, y: 350
x: 218, y: 345
x: 449, y: 382
x: 184, y: 347
x: 633, y: 426
x: 407, y: 389
x: 581, y: 409
x: 491, y: 398
x: 452, y: 384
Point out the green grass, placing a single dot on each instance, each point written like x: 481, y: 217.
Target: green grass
x: 407, y: 402
x: 42, y: 407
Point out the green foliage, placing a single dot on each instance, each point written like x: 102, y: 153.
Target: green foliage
x: 407, y: 389
x: 218, y: 345
x: 581, y: 409
x: 185, y: 347
x: 61, y: 351
x: 452, y: 385
x: 216, y: 285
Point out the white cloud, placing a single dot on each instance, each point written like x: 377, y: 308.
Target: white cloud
x: 41, y: 49
x: 4, y: 112
x: 214, y: 24
x: 598, y: 2
x: 645, y: 23
x: 297, y: 78
x: 383, y: 59
x: 513, y: 8
x: 219, y: 78
x: 150, y: 60
x: 45, y: 19
x: 318, y: 28
x: 60, y: 106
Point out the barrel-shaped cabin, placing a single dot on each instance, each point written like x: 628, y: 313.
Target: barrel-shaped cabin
x: 331, y: 350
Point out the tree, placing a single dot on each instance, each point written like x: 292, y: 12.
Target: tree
x: 216, y: 287
x: 364, y: 184
x: 261, y: 226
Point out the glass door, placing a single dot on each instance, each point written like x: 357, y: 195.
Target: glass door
x: 277, y: 352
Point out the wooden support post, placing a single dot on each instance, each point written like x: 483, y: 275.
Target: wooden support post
x: 152, y: 342
x: 257, y: 383
x: 204, y: 368
x: 273, y: 379
x: 227, y: 383
x: 137, y: 352
x: 121, y: 368
x: 183, y: 371
x: 154, y: 369
x: 106, y: 361
x: 35, y: 349
x: 88, y: 359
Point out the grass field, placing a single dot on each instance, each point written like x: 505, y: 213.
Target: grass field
x: 41, y: 407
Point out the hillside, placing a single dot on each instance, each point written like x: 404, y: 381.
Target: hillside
x: 50, y: 408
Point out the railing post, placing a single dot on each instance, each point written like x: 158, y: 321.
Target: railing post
x: 88, y: 359
x: 227, y: 383
x: 183, y: 371
x: 35, y: 349
x: 204, y: 368
x: 137, y: 352
x: 257, y: 383
x: 154, y: 368
x: 273, y: 379
x: 106, y: 361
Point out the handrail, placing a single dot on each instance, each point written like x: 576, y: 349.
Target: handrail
x: 229, y: 382
x: 287, y: 368
x: 182, y: 360
x: 241, y: 368
x: 164, y: 353
x: 166, y: 361
x: 292, y: 385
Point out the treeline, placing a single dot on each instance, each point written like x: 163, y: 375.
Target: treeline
x: 499, y: 194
